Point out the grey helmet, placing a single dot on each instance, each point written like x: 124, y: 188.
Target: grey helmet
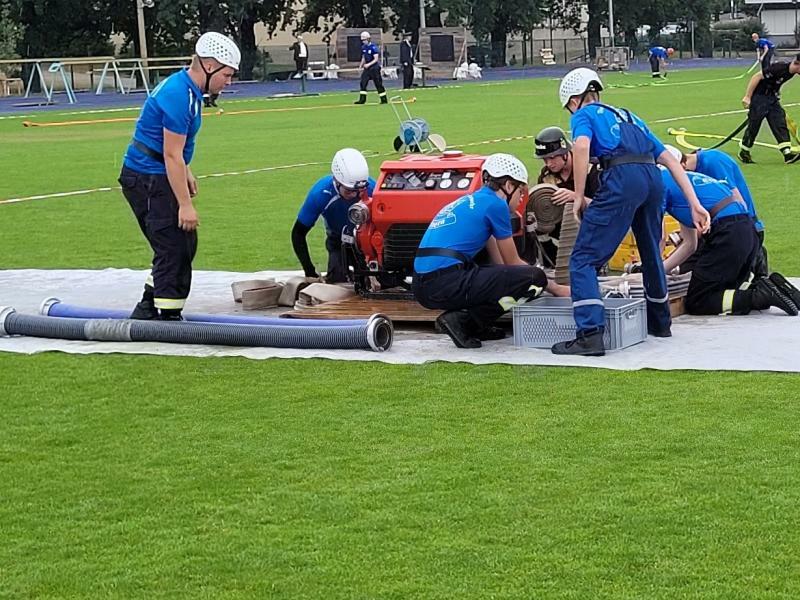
x: 551, y: 141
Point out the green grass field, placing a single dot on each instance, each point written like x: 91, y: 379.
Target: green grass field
x: 134, y: 476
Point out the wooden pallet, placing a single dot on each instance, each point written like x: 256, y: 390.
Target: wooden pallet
x: 399, y: 311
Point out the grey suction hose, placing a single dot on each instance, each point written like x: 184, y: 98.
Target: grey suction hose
x: 377, y: 333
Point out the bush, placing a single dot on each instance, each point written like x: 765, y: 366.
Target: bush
x: 738, y: 33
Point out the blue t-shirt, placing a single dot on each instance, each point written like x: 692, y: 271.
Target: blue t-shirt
x: 659, y: 52
x: 719, y: 165
x: 601, y: 126
x: 175, y: 104
x: 368, y: 52
x: 465, y: 225
x: 709, y: 191
x: 764, y: 43
x: 323, y: 200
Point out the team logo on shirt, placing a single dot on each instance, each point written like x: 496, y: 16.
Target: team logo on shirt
x: 447, y: 216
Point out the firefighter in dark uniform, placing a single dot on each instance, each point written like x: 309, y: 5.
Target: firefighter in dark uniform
x: 407, y: 61
x: 156, y: 179
x: 553, y: 147
x: 370, y: 67
x: 763, y: 98
x: 725, y: 260
x: 446, y: 275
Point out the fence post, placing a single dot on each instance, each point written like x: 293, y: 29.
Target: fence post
x: 566, y: 59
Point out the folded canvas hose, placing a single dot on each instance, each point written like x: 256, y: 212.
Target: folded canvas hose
x: 376, y: 334
x: 548, y: 215
x: 631, y: 286
x: 53, y: 307
x: 569, y: 233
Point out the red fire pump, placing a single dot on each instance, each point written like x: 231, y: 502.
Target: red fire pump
x: 409, y: 193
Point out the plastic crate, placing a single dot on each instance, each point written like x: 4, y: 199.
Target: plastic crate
x: 547, y: 321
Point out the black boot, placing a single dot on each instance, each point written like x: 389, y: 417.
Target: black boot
x: 458, y: 325
x: 791, y: 157
x: 384, y: 100
x: 361, y: 100
x: 583, y: 345
x: 765, y: 294
x: 662, y: 333
x: 144, y: 311
x: 745, y: 157
x: 491, y: 333
x: 170, y: 315
x: 786, y: 288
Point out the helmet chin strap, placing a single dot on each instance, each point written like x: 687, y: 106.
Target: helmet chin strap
x: 511, y: 195
x: 209, y: 75
x: 583, y: 99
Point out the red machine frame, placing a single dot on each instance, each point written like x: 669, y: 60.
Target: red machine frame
x: 409, y: 193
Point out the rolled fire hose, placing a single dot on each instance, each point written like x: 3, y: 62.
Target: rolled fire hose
x: 376, y: 334
x: 548, y: 215
x: 53, y: 307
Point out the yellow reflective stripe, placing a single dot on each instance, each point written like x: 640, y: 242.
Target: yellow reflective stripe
x: 170, y: 303
x: 727, y: 302
x: 149, y: 280
x: 746, y: 284
x: 506, y: 302
x: 743, y: 147
x: 785, y: 145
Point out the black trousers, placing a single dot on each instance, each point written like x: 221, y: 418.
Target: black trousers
x: 337, y: 268
x: 769, y: 108
x: 301, y: 64
x: 156, y: 210
x: 766, y: 60
x: 372, y: 74
x: 760, y: 264
x: 408, y: 76
x: 655, y: 65
x: 724, y: 264
x: 484, y: 292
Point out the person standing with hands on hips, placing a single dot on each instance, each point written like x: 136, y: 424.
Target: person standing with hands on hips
x: 156, y: 179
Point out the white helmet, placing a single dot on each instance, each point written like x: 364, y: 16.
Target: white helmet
x: 578, y: 81
x: 505, y: 165
x: 365, y: 35
x: 219, y: 47
x: 677, y: 154
x: 350, y: 169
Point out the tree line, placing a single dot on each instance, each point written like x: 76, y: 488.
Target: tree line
x: 35, y: 28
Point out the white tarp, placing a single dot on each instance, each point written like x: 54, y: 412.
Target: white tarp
x: 758, y: 342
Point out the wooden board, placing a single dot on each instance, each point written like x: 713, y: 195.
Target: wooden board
x: 400, y: 311
x: 677, y: 306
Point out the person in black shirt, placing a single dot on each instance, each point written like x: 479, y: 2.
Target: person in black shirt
x: 552, y: 146
x: 763, y: 98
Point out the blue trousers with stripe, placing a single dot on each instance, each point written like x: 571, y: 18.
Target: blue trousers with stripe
x: 630, y: 197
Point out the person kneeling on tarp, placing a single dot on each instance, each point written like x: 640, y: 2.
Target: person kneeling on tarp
x: 445, y: 274
x: 725, y: 260
x: 330, y: 198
